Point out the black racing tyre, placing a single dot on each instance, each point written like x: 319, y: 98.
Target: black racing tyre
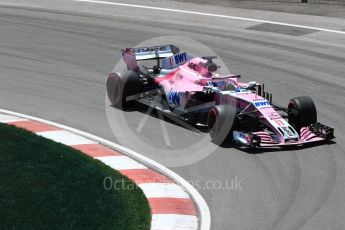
x: 121, y: 86
x: 302, y: 112
x: 221, y: 120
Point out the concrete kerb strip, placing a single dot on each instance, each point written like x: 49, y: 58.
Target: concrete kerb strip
x: 204, y: 218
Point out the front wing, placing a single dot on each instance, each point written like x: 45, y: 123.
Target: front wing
x: 314, y: 133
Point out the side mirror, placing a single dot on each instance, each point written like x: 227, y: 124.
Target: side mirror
x: 251, y: 85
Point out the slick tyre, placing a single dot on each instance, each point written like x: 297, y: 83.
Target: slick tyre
x: 121, y: 86
x: 302, y: 112
x: 221, y: 120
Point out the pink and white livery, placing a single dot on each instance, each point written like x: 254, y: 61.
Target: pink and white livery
x: 189, y: 88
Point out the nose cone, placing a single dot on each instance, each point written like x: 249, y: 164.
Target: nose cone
x: 289, y: 133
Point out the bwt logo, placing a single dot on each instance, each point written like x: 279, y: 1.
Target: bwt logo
x: 175, y: 97
x: 179, y: 58
x: 261, y: 103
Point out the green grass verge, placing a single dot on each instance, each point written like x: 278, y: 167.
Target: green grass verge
x: 46, y: 185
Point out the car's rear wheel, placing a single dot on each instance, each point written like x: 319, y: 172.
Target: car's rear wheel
x: 121, y: 86
x: 221, y: 120
x: 302, y: 112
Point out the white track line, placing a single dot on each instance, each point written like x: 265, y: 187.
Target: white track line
x: 211, y: 15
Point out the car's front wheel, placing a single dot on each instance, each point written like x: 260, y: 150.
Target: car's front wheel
x: 221, y: 119
x: 302, y: 112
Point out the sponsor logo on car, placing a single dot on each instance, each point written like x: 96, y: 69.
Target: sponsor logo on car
x: 280, y: 122
x: 179, y: 76
x: 180, y: 58
x: 261, y: 103
x: 288, y: 131
x: 174, y: 97
x: 193, y: 66
x: 150, y: 49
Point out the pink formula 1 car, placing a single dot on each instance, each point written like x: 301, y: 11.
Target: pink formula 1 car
x: 188, y: 88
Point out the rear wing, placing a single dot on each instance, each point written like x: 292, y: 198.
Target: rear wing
x: 132, y: 55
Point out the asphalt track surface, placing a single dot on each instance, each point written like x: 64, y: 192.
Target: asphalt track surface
x: 53, y: 64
